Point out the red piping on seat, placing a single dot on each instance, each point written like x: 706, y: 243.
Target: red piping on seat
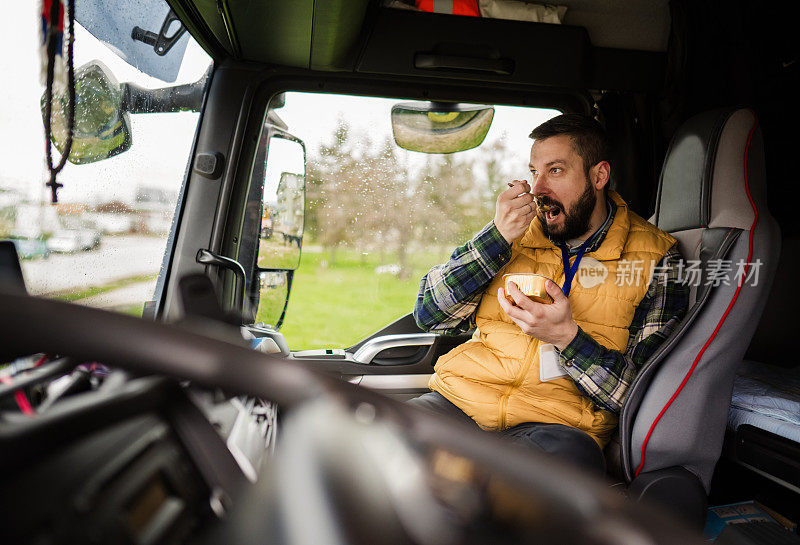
x: 724, y: 316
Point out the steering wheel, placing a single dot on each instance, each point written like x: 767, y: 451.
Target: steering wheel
x: 351, y: 465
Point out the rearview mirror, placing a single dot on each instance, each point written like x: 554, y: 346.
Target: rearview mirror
x: 102, y: 127
x: 436, y: 127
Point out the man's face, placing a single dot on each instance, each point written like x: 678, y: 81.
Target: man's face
x: 559, y: 179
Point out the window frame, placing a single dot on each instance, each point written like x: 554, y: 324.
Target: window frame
x: 270, y: 83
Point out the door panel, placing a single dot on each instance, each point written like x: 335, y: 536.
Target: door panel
x: 400, y: 387
x: 397, y: 360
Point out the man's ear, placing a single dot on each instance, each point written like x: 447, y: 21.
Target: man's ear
x: 600, y: 175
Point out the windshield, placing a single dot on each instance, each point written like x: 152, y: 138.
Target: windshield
x: 103, y: 243
x: 378, y: 216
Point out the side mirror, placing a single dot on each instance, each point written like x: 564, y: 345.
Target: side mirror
x: 102, y: 108
x: 102, y: 127
x: 283, y: 204
x: 436, y: 127
x: 274, y: 289
x: 282, y: 224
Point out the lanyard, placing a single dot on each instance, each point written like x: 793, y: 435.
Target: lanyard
x: 569, y: 272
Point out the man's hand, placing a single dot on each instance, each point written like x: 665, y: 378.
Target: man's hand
x: 551, y: 323
x: 514, y: 211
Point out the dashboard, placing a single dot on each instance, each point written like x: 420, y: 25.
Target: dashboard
x: 139, y: 460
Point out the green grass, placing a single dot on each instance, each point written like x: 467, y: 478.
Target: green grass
x: 75, y: 295
x: 273, y: 253
x: 335, y: 306
x: 131, y: 310
x: 273, y: 297
x: 332, y: 304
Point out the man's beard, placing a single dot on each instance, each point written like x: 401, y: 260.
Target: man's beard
x: 576, y: 221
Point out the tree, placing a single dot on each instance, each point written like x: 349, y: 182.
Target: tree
x: 498, y: 173
x: 331, y: 191
x: 452, y: 199
x: 366, y: 196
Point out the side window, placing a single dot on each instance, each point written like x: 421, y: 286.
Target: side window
x: 103, y: 243
x: 378, y: 216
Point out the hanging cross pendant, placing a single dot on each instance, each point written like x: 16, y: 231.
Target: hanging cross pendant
x: 54, y: 186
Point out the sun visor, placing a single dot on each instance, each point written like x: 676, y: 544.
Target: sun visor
x: 145, y: 34
x: 404, y: 42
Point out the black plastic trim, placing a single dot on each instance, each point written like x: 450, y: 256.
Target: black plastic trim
x: 227, y: 21
x: 410, y: 43
x: 432, y: 61
x: 421, y: 87
x: 25, y: 440
x: 205, y: 446
x: 200, y: 31
x: 232, y: 169
x: 774, y: 455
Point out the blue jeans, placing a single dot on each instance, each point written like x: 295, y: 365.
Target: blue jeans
x: 567, y: 443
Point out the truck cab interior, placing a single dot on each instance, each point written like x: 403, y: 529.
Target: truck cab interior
x: 198, y: 420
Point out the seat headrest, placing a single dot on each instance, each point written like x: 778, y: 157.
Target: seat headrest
x: 702, y: 183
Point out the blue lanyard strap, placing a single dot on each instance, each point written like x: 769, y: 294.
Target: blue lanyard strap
x: 569, y: 272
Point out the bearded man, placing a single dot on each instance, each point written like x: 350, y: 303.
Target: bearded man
x: 554, y: 376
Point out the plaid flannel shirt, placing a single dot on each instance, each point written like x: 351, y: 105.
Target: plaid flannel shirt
x: 449, y: 295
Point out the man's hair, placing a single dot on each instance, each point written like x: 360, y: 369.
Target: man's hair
x: 589, y: 139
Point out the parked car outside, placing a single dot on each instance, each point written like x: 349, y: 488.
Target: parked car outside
x: 31, y: 248
x: 77, y: 240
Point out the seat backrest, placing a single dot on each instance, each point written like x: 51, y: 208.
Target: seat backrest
x: 712, y: 199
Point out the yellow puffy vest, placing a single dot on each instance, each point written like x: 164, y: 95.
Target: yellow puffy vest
x: 494, y: 377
